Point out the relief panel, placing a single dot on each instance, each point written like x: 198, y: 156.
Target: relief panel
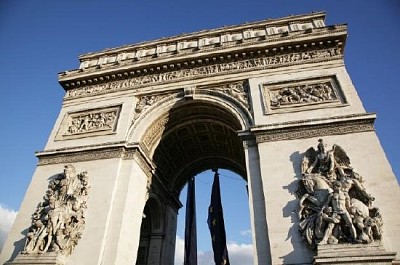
x: 300, y: 95
x: 92, y: 122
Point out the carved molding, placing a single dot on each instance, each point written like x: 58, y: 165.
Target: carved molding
x: 140, y: 159
x: 90, y: 122
x: 257, y: 32
x: 79, y: 156
x: 239, y: 90
x: 309, y: 131
x: 154, y: 131
x: 95, y: 153
x: 299, y: 95
x: 237, y: 66
x: 146, y: 102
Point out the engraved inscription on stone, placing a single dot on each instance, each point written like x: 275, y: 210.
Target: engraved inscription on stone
x: 302, y: 95
x: 89, y: 122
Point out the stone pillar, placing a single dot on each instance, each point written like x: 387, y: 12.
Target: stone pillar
x: 261, y: 245
x: 116, y: 198
x: 168, y: 248
x: 126, y: 215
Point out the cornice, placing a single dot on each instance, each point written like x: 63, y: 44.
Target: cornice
x: 354, y: 123
x: 97, y: 152
x: 124, y: 68
x: 205, y: 68
x: 289, y: 20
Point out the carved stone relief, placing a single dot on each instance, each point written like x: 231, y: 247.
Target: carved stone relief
x: 205, y: 71
x: 146, y: 101
x: 59, y: 220
x: 155, y: 130
x: 334, y: 206
x: 302, y: 95
x: 89, y: 123
x: 238, y: 90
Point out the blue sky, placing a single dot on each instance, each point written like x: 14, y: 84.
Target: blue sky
x: 40, y: 38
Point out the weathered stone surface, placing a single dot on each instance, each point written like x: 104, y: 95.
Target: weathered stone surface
x: 372, y: 254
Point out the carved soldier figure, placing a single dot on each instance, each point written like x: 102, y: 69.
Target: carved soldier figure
x: 340, y: 203
x: 334, y: 206
x: 58, y: 221
x: 70, y: 183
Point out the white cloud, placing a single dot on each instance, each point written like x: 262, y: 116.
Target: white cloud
x: 238, y: 254
x: 7, y: 218
x: 179, y: 250
x: 246, y: 233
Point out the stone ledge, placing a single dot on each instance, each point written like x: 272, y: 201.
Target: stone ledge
x: 373, y: 253
x: 354, y: 123
x: 49, y: 258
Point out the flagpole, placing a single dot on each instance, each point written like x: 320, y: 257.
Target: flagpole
x: 190, y: 226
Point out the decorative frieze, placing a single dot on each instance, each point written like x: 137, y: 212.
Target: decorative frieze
x: 89, y: 123
x: 308, y: 131
x: 79, y: 156
x: 299, y: 95
x: 258, y: 63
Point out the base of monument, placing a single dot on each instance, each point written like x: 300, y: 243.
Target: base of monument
x: 49, y: 258
x: 373, y: 253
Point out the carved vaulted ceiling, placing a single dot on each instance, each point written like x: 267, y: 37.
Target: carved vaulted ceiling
x: 193, y: 137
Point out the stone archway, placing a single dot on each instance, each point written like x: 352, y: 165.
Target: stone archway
x: 193, y: 136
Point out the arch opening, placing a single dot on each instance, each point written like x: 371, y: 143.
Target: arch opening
x: 234, y: 197
x: 197, y: 135
x: 192, y: 137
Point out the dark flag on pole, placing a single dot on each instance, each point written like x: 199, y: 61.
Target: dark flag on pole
x: 190, y: 226
x: 216, y: 224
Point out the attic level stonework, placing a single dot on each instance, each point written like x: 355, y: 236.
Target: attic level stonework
x: 271, y: 101
x: 249, y: 47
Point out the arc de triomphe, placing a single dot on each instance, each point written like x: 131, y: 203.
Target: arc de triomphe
x: 269, y: 100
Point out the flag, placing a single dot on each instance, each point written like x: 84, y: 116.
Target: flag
x: 190, y: 226
x: 216, y: 225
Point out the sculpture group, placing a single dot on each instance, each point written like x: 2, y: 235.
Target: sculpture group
x: 319, y: 92
x: 58, y: 221
x: 334, y: 206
